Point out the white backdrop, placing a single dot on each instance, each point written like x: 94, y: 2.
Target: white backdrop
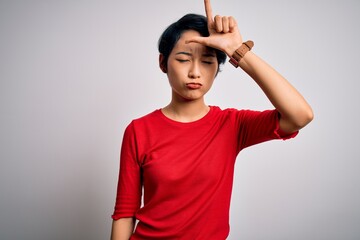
x: 73, y: 74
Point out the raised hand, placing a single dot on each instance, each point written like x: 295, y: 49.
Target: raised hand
x: 224, y: 33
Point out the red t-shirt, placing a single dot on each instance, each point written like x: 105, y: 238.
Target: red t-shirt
x: 186, y: 171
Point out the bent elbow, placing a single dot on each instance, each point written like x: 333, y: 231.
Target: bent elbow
x: 297, y: 119
x: 309, y: 116
x: 305, y: 118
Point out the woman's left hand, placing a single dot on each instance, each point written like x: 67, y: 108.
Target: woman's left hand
x: 223, y: 30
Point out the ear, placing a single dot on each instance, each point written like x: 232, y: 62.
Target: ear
x: 162, y: 63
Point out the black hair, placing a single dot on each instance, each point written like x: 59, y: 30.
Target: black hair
x: 173, y: 33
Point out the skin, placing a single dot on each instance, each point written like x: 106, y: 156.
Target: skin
x: 188, y: 63
x: 122, y: 229
x: 191, y: 70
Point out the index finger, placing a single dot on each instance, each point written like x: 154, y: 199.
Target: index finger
x: 208, y: 11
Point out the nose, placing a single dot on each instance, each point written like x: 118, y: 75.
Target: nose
x: 194, y: 71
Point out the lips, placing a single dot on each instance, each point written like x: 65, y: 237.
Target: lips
x: 194, y: 85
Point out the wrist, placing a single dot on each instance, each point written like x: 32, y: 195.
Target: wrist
x: 240, y: 52
x: 231, y: 49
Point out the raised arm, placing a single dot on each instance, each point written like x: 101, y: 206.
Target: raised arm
x: 295, y: 112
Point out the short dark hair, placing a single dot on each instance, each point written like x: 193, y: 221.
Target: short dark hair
x: 173, y: 33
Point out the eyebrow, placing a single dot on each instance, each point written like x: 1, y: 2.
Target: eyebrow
x: 185, y: 53
x: 207, y: 54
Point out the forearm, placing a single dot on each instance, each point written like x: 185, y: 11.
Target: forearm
x: 294, y: 110
x: 122, y: 229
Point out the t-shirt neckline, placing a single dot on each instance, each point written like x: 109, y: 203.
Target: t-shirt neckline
x: 184, y: 124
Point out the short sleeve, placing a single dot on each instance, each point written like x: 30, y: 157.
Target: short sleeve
x: 128, y: 197
x: 259, y: 126
x: 280, y: 133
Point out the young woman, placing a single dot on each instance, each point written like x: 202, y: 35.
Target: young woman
x: 182, y: 157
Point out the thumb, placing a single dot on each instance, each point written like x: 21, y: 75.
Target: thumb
x: 201, y: 40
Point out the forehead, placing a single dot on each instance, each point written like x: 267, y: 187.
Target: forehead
x: 190, y: 47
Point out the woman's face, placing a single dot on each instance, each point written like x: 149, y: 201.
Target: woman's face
x: 191, y: 68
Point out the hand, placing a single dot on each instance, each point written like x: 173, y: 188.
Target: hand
x: 223, y: 30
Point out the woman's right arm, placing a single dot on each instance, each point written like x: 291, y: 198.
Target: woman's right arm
x: 122, y: 229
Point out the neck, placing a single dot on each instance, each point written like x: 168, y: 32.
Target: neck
x: 186, y: 111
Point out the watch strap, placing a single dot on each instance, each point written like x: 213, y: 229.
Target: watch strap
x: 240, y: 53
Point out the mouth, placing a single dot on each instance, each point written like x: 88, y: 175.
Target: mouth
x: 194, y: 85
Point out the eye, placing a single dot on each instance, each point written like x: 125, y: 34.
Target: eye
x: 182, y: 60
x: 208, y: 59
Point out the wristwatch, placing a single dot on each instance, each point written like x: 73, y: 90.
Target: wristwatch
x: 240, y: 53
